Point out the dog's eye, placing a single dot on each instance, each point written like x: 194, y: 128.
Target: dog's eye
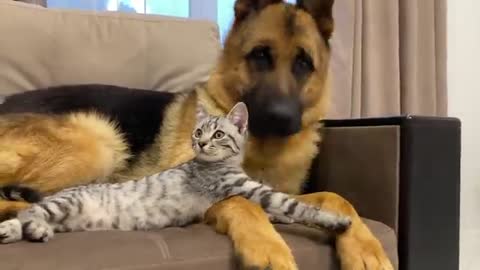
x: 261, y: 58
x: 302, y: 65
x: 218, y: 134
x: 198, y: 133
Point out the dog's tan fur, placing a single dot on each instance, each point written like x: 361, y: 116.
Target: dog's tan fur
x: 50, y: 153
x: 55, y: 152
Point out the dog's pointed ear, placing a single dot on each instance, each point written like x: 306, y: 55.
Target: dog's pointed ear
x: 321, y: 11
x: 243, y: 8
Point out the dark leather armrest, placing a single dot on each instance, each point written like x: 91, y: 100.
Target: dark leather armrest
x: 402, y: 171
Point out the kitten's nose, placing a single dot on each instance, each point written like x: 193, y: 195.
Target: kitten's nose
x: 202, y: 144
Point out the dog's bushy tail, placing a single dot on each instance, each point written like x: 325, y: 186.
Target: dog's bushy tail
x: 19, y: 193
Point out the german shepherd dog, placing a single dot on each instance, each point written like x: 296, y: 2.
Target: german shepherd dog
x: 275, y: 59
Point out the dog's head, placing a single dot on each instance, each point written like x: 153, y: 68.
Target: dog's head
x: 276, y: 60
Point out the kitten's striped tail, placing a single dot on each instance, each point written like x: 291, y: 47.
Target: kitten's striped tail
x: 19, y: 193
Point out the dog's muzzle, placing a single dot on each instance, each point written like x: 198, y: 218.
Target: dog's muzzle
x: 275, y: 116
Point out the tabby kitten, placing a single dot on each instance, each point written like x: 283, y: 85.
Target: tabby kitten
x: 175, y: 197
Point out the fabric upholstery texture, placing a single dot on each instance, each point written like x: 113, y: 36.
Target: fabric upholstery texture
x: 193, y: 247
x: 43, y: 47
x: 362, y: 164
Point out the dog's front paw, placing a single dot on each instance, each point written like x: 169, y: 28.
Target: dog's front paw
x: 256, y: 243
x: 358, y: 249
x: 37, y: 231
x: 10, y: 231
x: 264, y: 251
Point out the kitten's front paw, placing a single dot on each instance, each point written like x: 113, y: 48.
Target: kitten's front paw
x: 339, y: 224
x: 10, y: 231
x: 280, y: 219
x: 332, y: 222
x: 37, y: 231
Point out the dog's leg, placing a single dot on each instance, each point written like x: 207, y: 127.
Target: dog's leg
x: 9, y: 209
x: 257, y: 245
x: 357, y: 248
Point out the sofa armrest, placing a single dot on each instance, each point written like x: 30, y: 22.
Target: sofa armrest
x: 402, y: 171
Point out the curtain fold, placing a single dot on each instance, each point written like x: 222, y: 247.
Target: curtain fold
x: 389, y: 58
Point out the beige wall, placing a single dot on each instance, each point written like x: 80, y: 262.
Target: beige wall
x: 464, y: 102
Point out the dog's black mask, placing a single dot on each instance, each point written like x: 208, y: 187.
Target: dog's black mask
x: 273, y: 115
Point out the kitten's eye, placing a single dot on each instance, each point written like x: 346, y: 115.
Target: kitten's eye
x: 198, y: 133
x: 218, y: 135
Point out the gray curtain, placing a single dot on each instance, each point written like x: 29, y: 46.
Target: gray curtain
x: 389, y: 58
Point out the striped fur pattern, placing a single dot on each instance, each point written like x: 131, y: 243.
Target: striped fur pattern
x: 174, y: 197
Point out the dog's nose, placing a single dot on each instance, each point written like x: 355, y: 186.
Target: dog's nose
x: 273, y: 115
x: 284, y: 117
x: 280, y: 112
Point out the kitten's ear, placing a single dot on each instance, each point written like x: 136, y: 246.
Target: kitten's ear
x: 239, y: 116
x: 201, y: 113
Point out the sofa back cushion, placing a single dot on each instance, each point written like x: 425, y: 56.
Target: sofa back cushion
x: 43, y: 47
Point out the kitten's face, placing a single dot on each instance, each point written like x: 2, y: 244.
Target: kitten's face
x: 220, y: 138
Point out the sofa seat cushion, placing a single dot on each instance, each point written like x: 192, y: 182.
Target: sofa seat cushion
x: 193, y: 247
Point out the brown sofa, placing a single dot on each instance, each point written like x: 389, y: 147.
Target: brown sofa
x: 383, y: 166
